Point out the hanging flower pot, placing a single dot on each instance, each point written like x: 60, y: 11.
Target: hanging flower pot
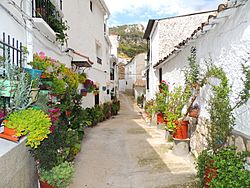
x: 34, y: 73
x: 181, y: 130
x: 84, y: 92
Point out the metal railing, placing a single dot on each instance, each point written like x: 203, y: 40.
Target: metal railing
x: 11, y: 52
x: 47, y: 11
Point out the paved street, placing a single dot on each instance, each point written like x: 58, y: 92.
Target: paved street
x: 125, y: 152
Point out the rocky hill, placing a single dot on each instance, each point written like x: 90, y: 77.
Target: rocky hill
x: 130, y: 41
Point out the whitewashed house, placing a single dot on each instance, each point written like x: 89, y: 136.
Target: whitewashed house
x: 224, y: 38
x: 135, y: 85
x: 163, y: 36
x: 114, y: 78
x: 30, y: 23
x: 88, y: 38
x: 24, y: 24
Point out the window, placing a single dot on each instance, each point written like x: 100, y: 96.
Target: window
x: 160, y: 75
x: 91, y: 6
x: 148, y: 79
x: 98, y: 53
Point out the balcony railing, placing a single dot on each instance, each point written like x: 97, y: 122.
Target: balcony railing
x: 46, y: 10
x: 99, y: 60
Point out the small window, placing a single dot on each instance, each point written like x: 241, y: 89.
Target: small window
x: 148, y: 79
x: 160, y: 75
x: 91, y: 6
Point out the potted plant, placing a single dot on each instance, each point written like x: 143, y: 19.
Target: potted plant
x: 220, y: 168
x: 59, y: 176
x: 175, y: 103
x: 33, y: 123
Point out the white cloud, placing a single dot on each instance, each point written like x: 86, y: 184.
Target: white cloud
x: 162, y: 7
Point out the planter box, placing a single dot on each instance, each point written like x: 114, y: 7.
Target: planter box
x: 7, y: 87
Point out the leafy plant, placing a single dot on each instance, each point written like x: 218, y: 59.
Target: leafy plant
x: 149, y: 107
x: 229, y: 167
x: 177, y: 99
x: 115, y: 107
x: 59, y: 176
x: 33, y: 123
x: 59, y: 86
x: 160, y: 102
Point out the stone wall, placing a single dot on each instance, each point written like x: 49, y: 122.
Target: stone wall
x: 17, y: 168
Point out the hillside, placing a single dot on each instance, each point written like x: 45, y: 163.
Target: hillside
x: 131, y: 42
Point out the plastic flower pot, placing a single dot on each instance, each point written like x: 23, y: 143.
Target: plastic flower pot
x: 34, y: 73
x: 159, y: 117
x: 34, y: 94
x: 7, y: 87
x: 181, y: 130
x: 9, y: 134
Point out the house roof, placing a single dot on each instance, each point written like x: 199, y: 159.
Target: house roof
x: 222, y: 12
x: 104, y: 6
x: 149, y: 29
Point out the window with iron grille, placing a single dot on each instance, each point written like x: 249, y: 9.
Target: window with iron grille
x: 11, y: 55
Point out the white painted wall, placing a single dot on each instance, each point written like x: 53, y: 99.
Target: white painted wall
x: 227, y: 44
x: 154, y: 58
x: 86, y: 31
x: 122, y: 85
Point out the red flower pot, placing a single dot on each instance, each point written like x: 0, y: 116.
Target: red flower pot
x: 181, y: 130
x: 194, y: 113
x: 210, y: 173
x: 45, y: 185
x: 160, y: 118
x: 68, y: 113
x: 84, y: 94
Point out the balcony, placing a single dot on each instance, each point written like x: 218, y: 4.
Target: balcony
x: 47, y: 16
x: 99, y: 60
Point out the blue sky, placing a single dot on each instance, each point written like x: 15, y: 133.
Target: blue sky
x: 140, y: 11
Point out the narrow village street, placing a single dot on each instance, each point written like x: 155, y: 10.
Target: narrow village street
x: 125, y: 152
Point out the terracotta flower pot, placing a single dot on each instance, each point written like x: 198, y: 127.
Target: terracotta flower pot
x: 160, y: 118
x: 84, y: 94
x: 45, y: 185
x: 181, y: 130
x: 68, y: 113
x: 194, y: 113
x: 210, y: 173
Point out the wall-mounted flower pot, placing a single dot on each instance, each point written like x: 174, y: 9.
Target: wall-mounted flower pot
x: 181, y: 130
x: 34, y: 73
x: 7, y: 87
